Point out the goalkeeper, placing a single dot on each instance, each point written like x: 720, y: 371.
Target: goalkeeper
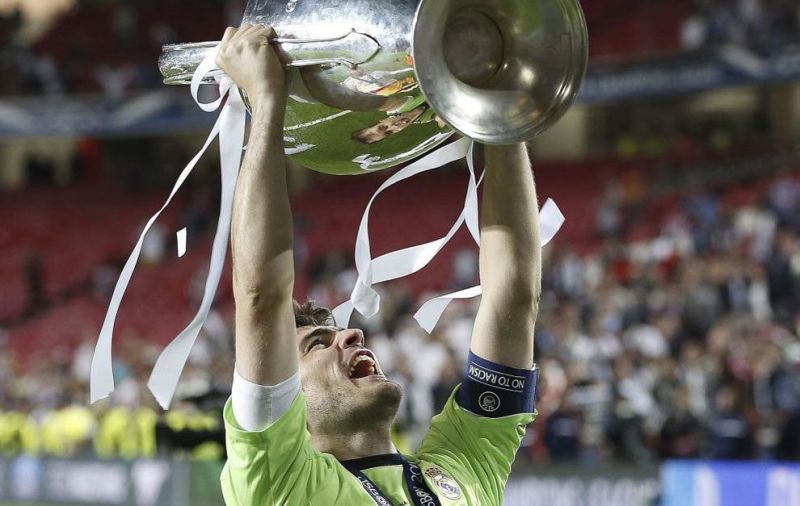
x: 309, y: 418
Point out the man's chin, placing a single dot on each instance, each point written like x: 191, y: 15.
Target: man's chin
x: 380, y: 385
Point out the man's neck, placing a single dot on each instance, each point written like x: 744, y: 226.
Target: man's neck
x: 349, y: 445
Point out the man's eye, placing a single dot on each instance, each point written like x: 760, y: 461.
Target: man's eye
x: 314, y: 343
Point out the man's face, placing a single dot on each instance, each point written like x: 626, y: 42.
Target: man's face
x: 388, y: 126
x: 342, y: 380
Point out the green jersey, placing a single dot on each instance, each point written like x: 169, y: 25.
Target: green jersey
x: 465, y: 459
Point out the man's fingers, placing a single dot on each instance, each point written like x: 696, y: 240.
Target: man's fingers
x: 232, y: 33
x: 229, y: 33
x: 237, y: 39
x: 245, y: 31
x: 265, y: 31
x: 263, y: 35
x: 258, y: 34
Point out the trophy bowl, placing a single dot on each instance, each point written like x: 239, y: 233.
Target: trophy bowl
x: 375, y: 85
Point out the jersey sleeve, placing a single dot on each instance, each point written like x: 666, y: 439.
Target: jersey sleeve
x: 475, y: 449
x: 255, y: 406
x: 478, y: 433
x: 277, y: 465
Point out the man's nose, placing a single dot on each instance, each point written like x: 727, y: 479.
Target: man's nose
x: 350, y: 337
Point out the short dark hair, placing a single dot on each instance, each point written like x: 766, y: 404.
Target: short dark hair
x: 309, y: 313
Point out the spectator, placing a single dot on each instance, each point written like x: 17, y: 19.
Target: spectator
x: 784, y: 276
x: 730, y: 433
x: 682, y: 433
x: 789, y: 445
x: 562, y: 434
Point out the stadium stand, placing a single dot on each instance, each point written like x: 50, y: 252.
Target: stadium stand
x: 603, y: 347
x: 671, y: 303
x: 620, y: 29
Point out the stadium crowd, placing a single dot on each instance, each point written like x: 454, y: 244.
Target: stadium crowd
x: 684, y: 344
x: 54, y: 49
x: 55, y: 53
x: 764, y: 26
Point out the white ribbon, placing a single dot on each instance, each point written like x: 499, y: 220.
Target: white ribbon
x: 181, y: 238
x: 550, y: 222
x: 168, y: 368
x: 230, y: 127
x: 407, y: 261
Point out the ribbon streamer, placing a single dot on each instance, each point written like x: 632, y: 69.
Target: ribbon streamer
x: 428, y: 315
x: 181, y: 238
x: 403, y: 262
x: 166, y: 373
x: 407, y: 261
x: 164, y: 378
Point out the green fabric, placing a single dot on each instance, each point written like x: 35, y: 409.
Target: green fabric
x: 278, y: 465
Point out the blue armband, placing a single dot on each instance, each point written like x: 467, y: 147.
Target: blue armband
x: 495, y: 390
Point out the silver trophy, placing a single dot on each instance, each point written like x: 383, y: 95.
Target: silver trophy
x: 378, y: 83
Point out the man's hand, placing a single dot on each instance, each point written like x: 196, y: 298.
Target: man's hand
x: 248, y: 58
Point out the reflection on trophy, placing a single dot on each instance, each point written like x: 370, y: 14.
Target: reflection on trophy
x: 497, y: 71
x: 392, y: 125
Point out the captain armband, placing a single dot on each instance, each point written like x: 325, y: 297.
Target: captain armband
x: 494, y: 390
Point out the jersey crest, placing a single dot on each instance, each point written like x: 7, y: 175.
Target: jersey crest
x: 446, y: 485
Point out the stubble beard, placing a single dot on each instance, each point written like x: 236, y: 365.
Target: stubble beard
x: 379, y: 408
x: 345, y: 412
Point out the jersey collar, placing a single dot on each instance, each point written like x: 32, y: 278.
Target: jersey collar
x: 388, y: 459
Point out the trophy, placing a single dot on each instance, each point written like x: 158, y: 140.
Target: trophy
x: 378, y: 83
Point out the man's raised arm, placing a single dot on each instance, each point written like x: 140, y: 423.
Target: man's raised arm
x: 498, y: 387
x: 510, y: 260
x: 261, y: 232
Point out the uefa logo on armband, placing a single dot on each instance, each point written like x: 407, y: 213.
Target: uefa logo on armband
x: 489, y: 402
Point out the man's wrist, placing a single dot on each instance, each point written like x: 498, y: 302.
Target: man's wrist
x: 502, y: 148
x: 269, y: 103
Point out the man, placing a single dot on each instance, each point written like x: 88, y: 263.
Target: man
x: 388, y: 126
x: 309, y: 419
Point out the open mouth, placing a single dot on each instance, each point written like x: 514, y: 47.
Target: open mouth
x: 362, y: 366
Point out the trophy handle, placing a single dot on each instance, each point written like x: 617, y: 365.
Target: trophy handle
x: 179, y: 61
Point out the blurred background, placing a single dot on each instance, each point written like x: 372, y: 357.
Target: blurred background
x: 668, y: 331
